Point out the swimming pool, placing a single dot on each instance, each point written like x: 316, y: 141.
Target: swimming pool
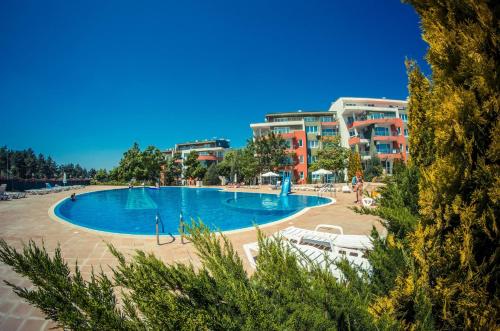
x: 133, y: 211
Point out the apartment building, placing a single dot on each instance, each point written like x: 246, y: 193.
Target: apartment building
x: 302, y: 132
x: 373, y: 127
x: 209, y: 150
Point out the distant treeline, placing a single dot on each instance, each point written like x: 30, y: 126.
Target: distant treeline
x: 25, y: 164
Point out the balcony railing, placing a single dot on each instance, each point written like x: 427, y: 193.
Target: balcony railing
x: 368, y: 121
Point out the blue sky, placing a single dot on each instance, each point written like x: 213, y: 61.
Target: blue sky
x: 82, y: 80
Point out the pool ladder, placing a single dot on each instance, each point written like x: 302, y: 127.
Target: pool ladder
x: 158, y: 222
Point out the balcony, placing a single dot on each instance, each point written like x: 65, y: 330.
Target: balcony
x: 358, y: 140
x: 334, y: 123
x: 273, y: 124
x: 356, y: 109
x: 393, y: 137
x: 207, y: 158
x: 369, y: 121
x: 392, y: 154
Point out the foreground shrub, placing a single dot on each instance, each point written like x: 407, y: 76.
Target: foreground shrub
x: 219, y: 295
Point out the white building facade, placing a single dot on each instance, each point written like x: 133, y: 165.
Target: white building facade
x: 374, y: 127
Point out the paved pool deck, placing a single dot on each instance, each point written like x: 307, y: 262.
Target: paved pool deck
x: 28, y: 218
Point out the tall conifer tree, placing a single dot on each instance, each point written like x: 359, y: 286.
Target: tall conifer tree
x: 454, y: 140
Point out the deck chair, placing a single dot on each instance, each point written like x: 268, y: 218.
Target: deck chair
x: 307, y: 254
x: 3, y: 195
x: 326, y: 239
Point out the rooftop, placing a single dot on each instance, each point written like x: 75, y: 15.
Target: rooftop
x: 202, y: 142
x: 383, y: 99
x: 301, y: 113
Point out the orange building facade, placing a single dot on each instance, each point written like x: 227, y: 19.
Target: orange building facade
x: 303, y: 132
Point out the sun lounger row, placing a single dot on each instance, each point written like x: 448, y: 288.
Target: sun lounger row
x: 3, y: 195
x: 54, y: 189
x: 16, y: 195
x: 313, y: 188
x: 320, y: 248
x: 10, y: 195
x: 327, y: 240
x: 307, y: 255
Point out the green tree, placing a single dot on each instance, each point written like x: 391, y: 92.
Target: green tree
x: 373, y: 168
x: 101, y: 175
x: 114, y: 174
x: 211, y: 176
x: 173, y: 169
x: 455, y: 118
x: 270, y: 151
x: 130, y: 165
x: 141, y: 165
x: 249, y: 166
x: 241, y: 163
x: 30, y: 163
x: 4, y: 155
x: 354, y: 165
x: 228, y: 164
x: 92, y: 172
x: 193, y: 168
x: 26, y: 165
x: 152, y: 161
x: 332, y: 156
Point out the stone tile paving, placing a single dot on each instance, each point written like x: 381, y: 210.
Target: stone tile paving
x: 25, y: 219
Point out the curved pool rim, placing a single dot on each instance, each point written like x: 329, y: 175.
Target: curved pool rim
x: 61, y: 219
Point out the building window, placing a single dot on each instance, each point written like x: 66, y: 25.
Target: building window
x: 312, y: 144
x: 384, y: 148
x: 280, y: 119
x: 327, y: 119
x: 300, y: 142
x: 301, y: 175
x: 312, y: 129
x: 311, y: 159
x: 406, y: 148
x: 329, y: 132
x: 380, y: 131
x: 281, y: 130
x: 301, y: 159
x: 352, y: 133
x: 406, y: 132
x: 377, y: 116
x: 404, y: 117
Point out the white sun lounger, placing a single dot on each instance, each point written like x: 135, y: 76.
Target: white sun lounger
x: 321, y: 238
x: 306, y: 254
x: 3, y: 195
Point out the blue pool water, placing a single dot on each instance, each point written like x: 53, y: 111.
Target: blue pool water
x: 133, y: 211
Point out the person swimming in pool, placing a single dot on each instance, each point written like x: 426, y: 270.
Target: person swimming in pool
x: 73, y: 197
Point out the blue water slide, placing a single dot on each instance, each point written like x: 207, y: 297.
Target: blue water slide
x: 286, y: 187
